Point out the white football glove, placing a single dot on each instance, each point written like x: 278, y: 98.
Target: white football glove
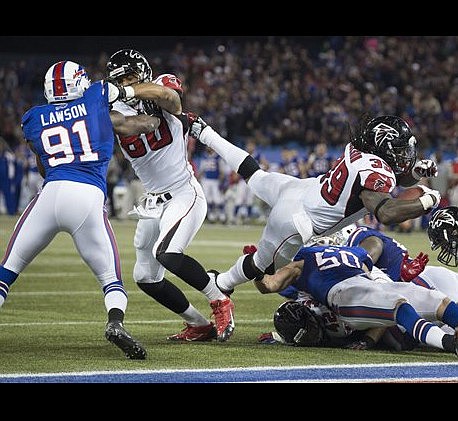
x: 197, y: 125
x: 424, y: 168
x: 139, y: 212
x: 430, y: 199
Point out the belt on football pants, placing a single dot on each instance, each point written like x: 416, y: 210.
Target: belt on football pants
x: 162, y: 197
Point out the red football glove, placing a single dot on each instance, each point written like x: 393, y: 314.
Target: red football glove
x: 267, y: 338
x: 249, y: 249
x: 410, y: 269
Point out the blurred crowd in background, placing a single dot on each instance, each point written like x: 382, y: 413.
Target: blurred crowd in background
x: 289, y: 100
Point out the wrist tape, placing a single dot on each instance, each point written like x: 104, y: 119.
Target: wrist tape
x: 427, y: 201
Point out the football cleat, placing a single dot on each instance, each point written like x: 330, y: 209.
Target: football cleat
x: 117, y: 335
x: 213, y: 274
x: 195, y: 333
x: 224, y: 318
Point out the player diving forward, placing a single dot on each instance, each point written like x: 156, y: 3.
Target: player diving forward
x: 379, y: 156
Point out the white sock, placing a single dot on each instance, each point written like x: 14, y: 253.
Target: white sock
x: 434, y: 337
x: 115, y: 299
x: 193, y: 317
x: 212, y: 292
x: 233, y: 155
x: 234, y: 276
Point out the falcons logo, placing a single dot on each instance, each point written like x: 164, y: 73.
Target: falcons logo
x: 442, y: 217
x: 383, y: 133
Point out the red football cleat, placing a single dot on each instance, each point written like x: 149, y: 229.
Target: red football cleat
x: 224, y: 318
x: 195, y: 333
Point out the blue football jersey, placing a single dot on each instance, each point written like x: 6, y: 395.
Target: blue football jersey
x: 210, y: 166
x: 325, y: 266
x: 74, y: 139
x: 393, y: 251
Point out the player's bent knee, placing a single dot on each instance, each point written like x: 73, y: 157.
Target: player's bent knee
x: 171, y: 261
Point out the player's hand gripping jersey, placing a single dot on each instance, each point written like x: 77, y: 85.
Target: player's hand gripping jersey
x: 159, y: 158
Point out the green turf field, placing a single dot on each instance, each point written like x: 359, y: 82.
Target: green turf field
x: 54, y: 317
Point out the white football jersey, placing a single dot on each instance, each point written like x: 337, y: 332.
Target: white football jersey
x: 159, y: 158
x: 338, y: 204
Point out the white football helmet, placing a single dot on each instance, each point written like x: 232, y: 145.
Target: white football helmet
x: 345, y: 232
x: 65, y: 81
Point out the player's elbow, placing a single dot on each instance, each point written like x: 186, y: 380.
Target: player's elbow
x: 174, y: 101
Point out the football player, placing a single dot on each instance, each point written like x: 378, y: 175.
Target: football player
x: 339, y: 278
x: 72, y: 138
x: 443, y: 235
x: 174, y: 207
x: 392, y: 258
x: 381, y: 154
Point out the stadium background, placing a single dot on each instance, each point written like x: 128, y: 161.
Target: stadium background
x: 280, y: 92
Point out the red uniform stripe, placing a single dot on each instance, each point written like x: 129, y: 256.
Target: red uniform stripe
x: 58, y: 83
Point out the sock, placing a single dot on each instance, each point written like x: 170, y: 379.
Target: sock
x: 115, y: 296
x: 7, y: 277
x: 212, y: 292
x: 166, y: 294
x: 233, y: 277
x: 450, y: 316
x: 420, y: 329
x: 233, y: 155
x: 193, y: 317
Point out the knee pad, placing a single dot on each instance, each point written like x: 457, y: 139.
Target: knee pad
x: 171, y: 261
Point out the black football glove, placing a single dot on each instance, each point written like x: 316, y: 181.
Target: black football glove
x: 362, y: 345
x: 152, y: 109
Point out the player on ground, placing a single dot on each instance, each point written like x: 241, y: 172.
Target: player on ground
x: 72, y: 137
x: 392, y: 258
x: 380, y: 155
x: 174, y: 206
x: 339, y: 278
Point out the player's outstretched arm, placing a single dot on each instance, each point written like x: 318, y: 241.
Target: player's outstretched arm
x: 281, y: 279
x: 164, y: 97
x: 389, y: 210
x: 133, y: 125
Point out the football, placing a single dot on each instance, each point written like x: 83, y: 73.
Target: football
x: 410, y: 193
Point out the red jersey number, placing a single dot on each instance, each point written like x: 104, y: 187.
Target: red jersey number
x: 135, y: 146
x: 334, y: 182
